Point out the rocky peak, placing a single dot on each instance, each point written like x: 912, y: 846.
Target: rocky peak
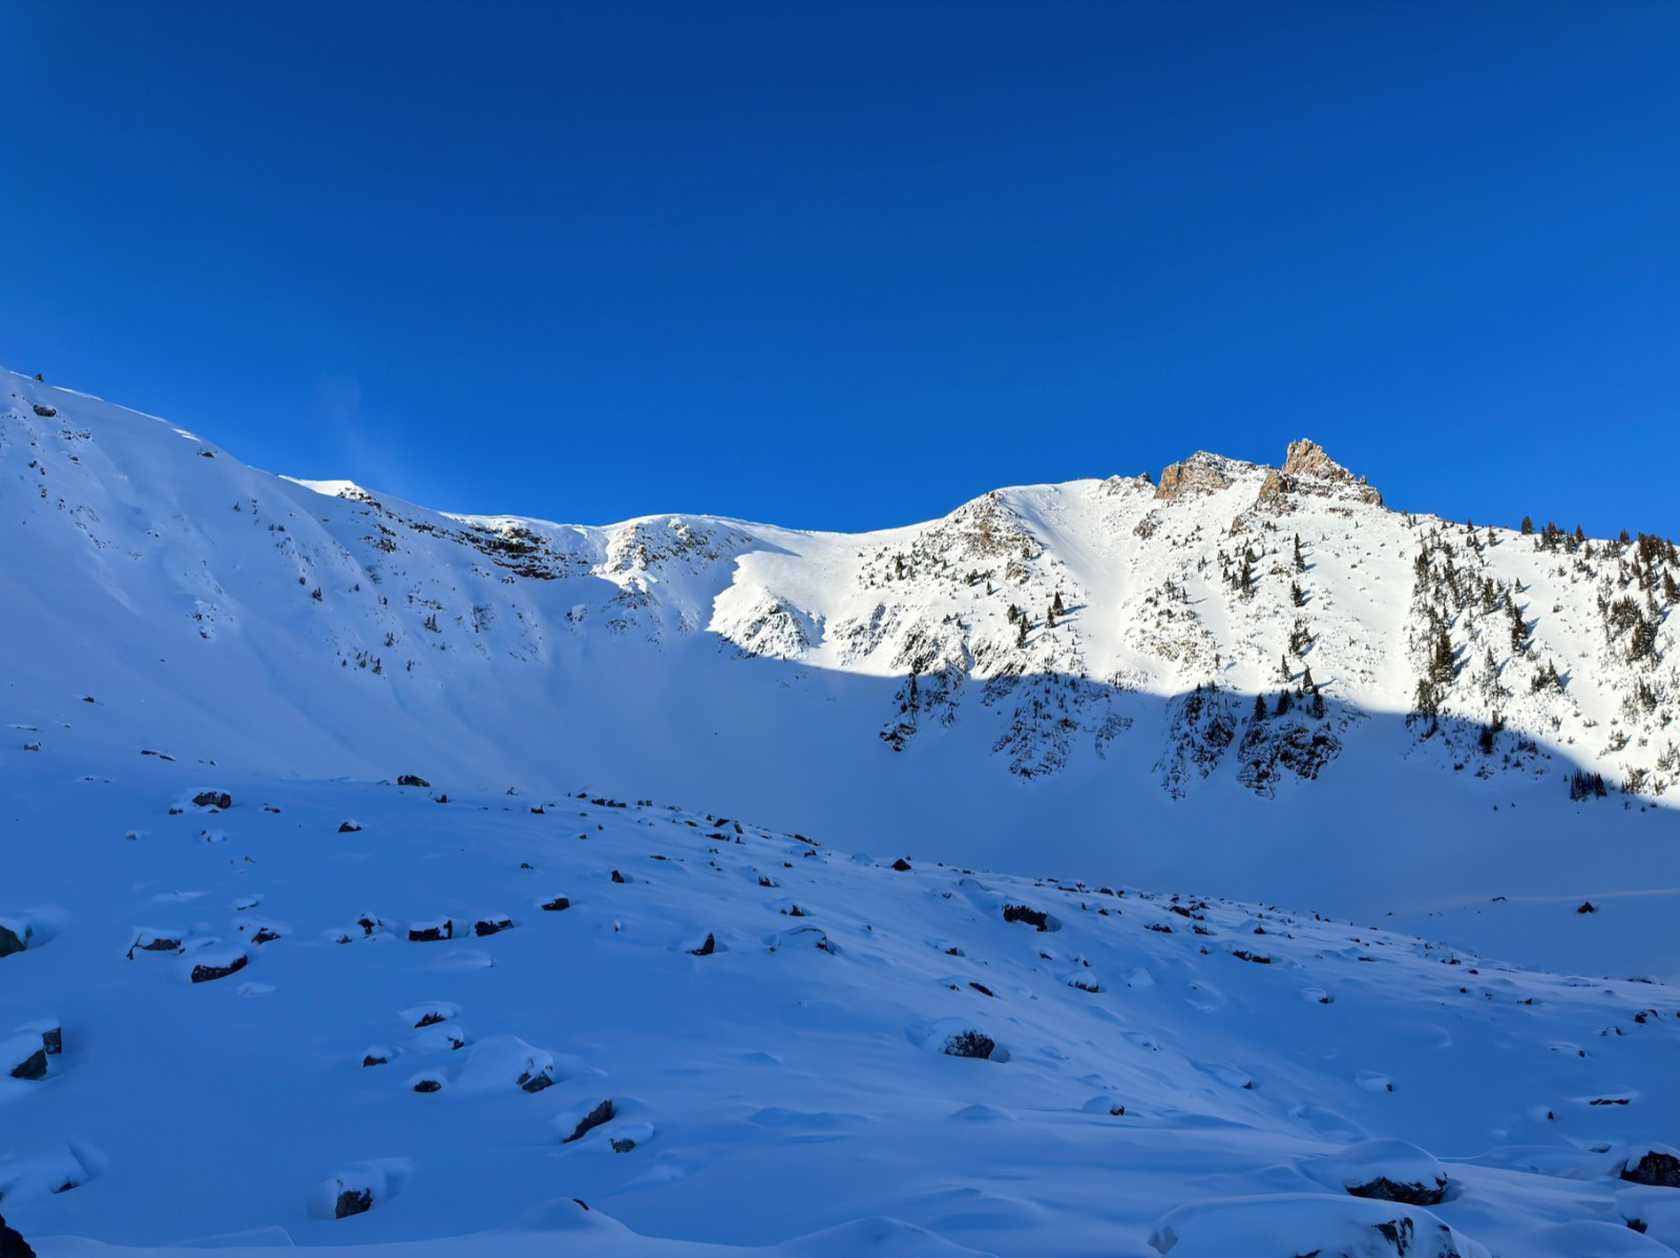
x: 1307, y: 458
x: 1201, y: 473
x: 1307, y: 468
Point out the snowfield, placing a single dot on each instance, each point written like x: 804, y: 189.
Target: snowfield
x: 1252, y: 870
x: 464, y: 1017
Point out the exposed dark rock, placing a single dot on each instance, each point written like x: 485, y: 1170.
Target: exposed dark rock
x: 1258, y: 958
x: 213, y: 799
x: 374, y: 1059
x: 155, y: 943
x: 412, y: 779
x: 1021, y: 913
x: 617, y: 877
x: 432, y: 934
x: 1587, y: 906
x: 43, y: 410
x: 1382, y: 1188
x: 265, y: 935
x: 353, y: 1201
x: 12, y: 1245
x: 602, y: 1113
x: 970, y: 1044
x: 536, y: 1082
x: 901, y: 865
x: 559, y: 904
x: 34, y: 1066
x: 622, y: 1144
x: 349, y: 827
x: 429, y: 1085
x: 10, y: 943
x: 492, y: 925
x: 1656, y: 1168
x: 706, y: 949
x: 203, y: 973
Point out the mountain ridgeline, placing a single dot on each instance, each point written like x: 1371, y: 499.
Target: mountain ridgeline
x: 1225, y: 631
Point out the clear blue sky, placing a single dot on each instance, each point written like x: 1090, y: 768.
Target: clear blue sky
x: 849, y: 265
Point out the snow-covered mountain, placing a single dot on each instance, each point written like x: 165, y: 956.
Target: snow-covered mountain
x: 1259, y: 678
x: 308, y: 936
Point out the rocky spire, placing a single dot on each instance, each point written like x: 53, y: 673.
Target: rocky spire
x: 1308, y: 469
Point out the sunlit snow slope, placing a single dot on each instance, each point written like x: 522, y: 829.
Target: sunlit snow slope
x: 914, y: 688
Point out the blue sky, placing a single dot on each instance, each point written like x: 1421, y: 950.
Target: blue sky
x: 853, y: 265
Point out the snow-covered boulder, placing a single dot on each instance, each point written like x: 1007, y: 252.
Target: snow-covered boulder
x: 1655, y: 1165
x: 502, y: 1062
x: 1384, y: 1170
x: 14, y: 935
x: 358, y: 1189
x: 23, y: 1056
x: 215, y: 963
x: 1288, y: 1225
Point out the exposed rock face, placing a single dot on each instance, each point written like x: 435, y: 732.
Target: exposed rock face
x: 602, y: 1113
x: 1659, y: 1168
x: 13, y: 1245
x: 353, y: 1201
x: 1201, y: 473
x: 209, y: 972
x: 970, y: 1044
x: 1308, y: 469
x: 1411, y: 1194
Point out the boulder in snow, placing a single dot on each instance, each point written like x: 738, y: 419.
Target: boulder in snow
x: 1290, y: 1225
x: 1385, y: 1170
x: 218, y: 963
x: 1655, y: 1165
x: 23, y: 1056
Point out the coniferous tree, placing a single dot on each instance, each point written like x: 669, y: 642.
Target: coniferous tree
x: 1259, y: 708
x: 1050, y: 617
x: 1519, y: 629
x: 1527, y: 525
x: 1308, y: 685
x: 1297, y: 595
x: 1316, y: 706
x: 1300, y: 563
x: 1021, y: 631
x: 1056, y: 603
x: 1283, y: 703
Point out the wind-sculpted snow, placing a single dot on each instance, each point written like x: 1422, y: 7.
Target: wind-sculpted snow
x: 505, y: 1022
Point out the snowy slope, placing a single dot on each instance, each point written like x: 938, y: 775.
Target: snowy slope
x: 773, y: 1022
x: 876, y: 688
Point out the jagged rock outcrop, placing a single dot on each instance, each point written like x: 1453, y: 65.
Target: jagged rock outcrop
x: 1201, y: 473
x: 1308, y: 469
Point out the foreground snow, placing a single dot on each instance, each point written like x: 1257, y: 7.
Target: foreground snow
x: 772, y: 1021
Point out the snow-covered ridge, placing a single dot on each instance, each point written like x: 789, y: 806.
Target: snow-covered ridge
x: 1271, y: 647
